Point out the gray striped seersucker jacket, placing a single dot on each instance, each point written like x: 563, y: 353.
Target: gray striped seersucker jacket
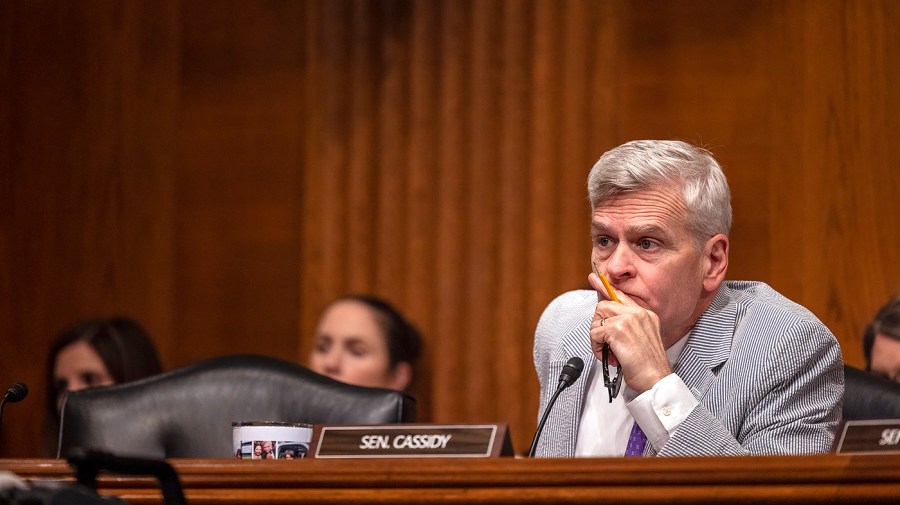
x: 768, y: 375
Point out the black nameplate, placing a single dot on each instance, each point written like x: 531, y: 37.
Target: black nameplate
x: 869, y: 437
x: 412, y: 441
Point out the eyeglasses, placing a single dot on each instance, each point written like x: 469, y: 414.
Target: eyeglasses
x: 615, y: 384
x: 612, y: 385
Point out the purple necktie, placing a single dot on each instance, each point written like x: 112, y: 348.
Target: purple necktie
x: 636, y: 441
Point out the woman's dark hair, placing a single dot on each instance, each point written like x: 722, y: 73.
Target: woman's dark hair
x: 887, y: 323
x: 122, y: 344
x: 404, y: 342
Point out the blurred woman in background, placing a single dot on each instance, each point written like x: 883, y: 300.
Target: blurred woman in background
x: 363, y: 340
x: 93, y: 353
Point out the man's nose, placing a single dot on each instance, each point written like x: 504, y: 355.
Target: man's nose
x: 620, y: 264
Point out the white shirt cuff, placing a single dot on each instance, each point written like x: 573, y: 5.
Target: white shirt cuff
x: 661, y: 409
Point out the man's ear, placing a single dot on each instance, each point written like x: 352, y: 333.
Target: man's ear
x: 401, y: 376
x: 716, y: 258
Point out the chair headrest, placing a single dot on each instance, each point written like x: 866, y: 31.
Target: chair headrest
x: 868, y: 396
x: 188, y: 412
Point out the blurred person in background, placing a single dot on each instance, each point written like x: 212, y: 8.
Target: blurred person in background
x: 363, y: 340
x: 881, y: 343
x: 94, y: 353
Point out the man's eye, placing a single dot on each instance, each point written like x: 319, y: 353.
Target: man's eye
x: 603, y: 241
x: 647, y: 244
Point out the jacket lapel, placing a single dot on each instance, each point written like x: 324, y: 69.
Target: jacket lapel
x: 709, y: 345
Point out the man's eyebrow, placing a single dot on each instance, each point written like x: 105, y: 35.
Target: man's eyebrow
x: 638, y: 229
x: 598, y: 228
x: 647, y: 229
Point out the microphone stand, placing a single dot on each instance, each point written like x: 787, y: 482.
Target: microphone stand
x: 570, y: 373
x: 540, y: 428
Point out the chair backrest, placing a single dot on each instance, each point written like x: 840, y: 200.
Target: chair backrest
x: 187, y: 413
x: 868, y: 396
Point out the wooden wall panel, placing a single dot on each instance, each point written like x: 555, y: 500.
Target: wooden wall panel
x: 88, y: 158
x: 449, y: 230
x: 513, y: 327
x: 836, y: 247
x: 239, y: 179
x: 8, y: 288
x: 222, y: 170
x: 420, y: 213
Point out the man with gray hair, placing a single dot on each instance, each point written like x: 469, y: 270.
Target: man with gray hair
x: 679, y: 361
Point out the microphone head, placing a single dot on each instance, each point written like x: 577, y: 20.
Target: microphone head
x: 16, y: 393
x: 571, y: 371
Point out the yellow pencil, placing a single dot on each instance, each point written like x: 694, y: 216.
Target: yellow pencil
x: 609, y: 289
x: 606, y: 284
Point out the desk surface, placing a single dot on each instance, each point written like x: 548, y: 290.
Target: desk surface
x: 792, y: 479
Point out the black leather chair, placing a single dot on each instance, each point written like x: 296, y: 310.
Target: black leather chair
x: 187, y: 413
x: 868, y: 396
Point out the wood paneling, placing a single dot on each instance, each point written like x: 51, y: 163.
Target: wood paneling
x: 836, y: 247
x: 88, y: 171
x: 221, y: 170
x: 238, y: 185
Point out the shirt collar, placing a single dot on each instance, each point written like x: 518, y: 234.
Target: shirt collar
x: 674, y: 351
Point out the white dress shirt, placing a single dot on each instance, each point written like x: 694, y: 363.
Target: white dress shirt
x: 605, y: 427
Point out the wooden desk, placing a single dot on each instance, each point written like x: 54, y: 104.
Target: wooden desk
x: 794, y: 480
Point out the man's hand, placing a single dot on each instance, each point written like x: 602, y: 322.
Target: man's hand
x: 633, y: 335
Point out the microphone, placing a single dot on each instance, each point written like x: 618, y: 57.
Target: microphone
x: 15, y: 393
x: 570, y: 373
